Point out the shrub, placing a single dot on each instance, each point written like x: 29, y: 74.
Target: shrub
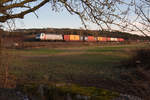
x: 140, y: 58
x: 137, y: 80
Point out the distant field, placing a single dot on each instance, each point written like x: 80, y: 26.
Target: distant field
x: 59, y: 64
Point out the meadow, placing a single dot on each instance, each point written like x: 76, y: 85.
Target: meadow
x: 70, y: 63
x: 87, y: 70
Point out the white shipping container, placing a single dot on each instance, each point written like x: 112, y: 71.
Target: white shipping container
x: 115, y: 39
x: 86, y: 38
x: 96, y: 38
x: 112, y: 39
x: 81, y: 38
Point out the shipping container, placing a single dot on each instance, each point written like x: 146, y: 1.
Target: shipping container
x: 86, y: 38
x: 108, y: 39
x: 99, y: 38
x: 82, y: 38
x: 120, y: 39
x: 67, y: 37
x: 91, y: 38
x: 77, y: 37
x: 115, y: 39
x: 104, y: 39
x: 112, y: 39
x: 74, y: 38
x: 96, y: 38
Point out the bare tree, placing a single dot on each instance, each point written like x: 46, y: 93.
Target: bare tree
x: 129, y: 15
x: 137, y: 17
x: 9, y: 8
x: 97, y: 11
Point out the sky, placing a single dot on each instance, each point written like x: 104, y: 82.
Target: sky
x: 50, y: 19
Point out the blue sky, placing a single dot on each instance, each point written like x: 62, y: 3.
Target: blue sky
x: 50, y: 19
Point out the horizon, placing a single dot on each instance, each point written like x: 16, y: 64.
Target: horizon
x: 80, y: 29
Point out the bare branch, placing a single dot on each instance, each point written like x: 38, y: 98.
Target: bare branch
x: 22, y: 14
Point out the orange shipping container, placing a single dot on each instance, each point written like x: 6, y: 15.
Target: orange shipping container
x: 104, y: 39
x: 91, y: 38
x: 74, y: 37
x: 99, y: 38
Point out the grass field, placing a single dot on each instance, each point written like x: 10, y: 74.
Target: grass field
x: 59, y: 64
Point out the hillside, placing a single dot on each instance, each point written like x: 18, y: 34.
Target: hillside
x: 126, y: 36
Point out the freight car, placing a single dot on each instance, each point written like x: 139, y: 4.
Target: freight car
x: 59, y: 37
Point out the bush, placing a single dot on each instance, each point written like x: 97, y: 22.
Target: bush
x: 140, y: 58
x: 137, y: 80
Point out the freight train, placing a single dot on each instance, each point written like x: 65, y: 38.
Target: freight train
x: 60, y: 37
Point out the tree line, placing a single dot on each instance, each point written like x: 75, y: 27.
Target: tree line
x: 65, y: 31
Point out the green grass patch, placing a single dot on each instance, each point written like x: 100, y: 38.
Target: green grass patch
x: 62, y: 92
x: 59, y: 63
x: 100, y: 94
